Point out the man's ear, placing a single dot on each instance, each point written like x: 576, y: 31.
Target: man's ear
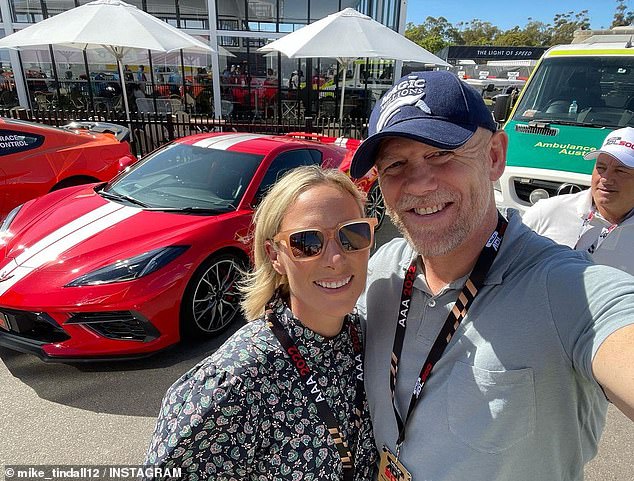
x: 497, y: 154
x: 274, y: 257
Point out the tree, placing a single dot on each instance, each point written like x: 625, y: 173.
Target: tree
x: 565, y: 24
x: 622, y: 16
x: 437, y: 33
x: 433, y: 35
x: 477, y: 32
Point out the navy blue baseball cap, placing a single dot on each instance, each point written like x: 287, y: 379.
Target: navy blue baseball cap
x: 436, y: 108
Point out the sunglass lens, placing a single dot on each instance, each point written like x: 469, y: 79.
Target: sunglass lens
x: 307, y: 243
x: 355, y: 236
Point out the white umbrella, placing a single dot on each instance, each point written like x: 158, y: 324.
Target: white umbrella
x: 110, y: 24
x: 347, y: 35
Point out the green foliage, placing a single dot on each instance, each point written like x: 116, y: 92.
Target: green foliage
x: 622, y: 16
x: 433, y: 35
x: 437, y: 33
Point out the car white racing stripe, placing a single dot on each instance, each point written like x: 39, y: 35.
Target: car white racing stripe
x: 68, y: 229
x: 49, y: 251
x: 224, y: 142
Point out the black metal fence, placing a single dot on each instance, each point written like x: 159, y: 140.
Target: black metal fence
x: 150, y: 131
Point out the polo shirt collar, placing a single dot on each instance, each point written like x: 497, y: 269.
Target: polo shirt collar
x: 505, y: 258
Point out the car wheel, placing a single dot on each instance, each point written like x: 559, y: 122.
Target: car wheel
x: 375, y: 207
x: 212, y: 300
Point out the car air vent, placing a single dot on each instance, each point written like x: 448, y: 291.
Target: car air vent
x: 537, y: 129
x: 119, y: 325
x: 35, y: 326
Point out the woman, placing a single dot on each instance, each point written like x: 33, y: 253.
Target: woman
x: 283, y: 398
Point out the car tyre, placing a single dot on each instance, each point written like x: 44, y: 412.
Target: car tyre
x: 375, y: 206
x: 212, y: 301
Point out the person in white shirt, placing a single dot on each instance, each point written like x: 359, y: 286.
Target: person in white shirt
x: 599, y: 220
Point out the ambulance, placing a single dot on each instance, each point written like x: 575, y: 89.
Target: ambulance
x: 575, y: 96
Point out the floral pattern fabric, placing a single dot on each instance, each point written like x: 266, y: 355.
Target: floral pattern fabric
x: 243, y: 413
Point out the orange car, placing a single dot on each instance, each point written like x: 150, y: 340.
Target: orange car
x: 36, y: 159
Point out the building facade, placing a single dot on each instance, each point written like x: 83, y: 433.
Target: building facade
x: 238, y: 81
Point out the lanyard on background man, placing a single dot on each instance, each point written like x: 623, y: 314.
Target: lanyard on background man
x: 315, y: 394
x: 602, y: 235
x: 391, y: 468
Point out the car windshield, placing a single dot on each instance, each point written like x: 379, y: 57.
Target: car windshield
x: 188, y: 178
x: 592, y: 91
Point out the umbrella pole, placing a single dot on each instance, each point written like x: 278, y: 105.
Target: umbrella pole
x: 124, y: 93
x: 343, y: 89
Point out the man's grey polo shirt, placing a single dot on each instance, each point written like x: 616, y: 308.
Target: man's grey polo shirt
x: 513, y: 397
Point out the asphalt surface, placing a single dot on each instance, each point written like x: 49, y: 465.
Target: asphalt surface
x: 97, y: 414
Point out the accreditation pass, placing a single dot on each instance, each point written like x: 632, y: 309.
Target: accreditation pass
x: 391, y: 469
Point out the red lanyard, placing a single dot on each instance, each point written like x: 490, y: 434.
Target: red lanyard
x: 313, y: 392
x: 455, y: 317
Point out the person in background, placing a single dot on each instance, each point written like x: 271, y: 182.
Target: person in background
x: 491, y: 352
x: 599, y: 220
x: 283, y: 398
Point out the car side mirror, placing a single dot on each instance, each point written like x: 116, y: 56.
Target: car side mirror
x: 502, y: 107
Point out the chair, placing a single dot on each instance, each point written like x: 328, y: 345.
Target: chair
x: 292, y: 110
x: 226, y: 108
x: 42, y: 101
x: 144, y: 105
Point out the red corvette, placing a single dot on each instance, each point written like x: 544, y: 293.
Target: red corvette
x: 125, y: 268
x: 36, y: 159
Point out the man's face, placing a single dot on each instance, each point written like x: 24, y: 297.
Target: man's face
x: 439, y: 198
x: 612, y: 188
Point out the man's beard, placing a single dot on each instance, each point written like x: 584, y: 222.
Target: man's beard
x: 432, y: 240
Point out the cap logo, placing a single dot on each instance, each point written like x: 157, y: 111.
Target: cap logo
x: 619, y: 141
x: 410, y: 91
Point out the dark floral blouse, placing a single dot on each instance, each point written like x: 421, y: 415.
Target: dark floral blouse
x: 243, y: 413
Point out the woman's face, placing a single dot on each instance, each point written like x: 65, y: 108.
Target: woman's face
x: 324, y: 289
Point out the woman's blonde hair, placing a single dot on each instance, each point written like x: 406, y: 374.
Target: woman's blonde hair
x: 260, y: 284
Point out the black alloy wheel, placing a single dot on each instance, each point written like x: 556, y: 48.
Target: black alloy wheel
x: 375, y: 207
x: 212, y: 300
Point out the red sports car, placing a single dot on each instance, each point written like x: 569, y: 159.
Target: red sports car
x: 125, y: 268
x: 36, y: 159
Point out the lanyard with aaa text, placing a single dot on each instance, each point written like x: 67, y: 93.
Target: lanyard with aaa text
x: 314, y: 393
x: 455, y: 317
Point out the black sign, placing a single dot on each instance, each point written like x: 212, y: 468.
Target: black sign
x: 490, y: 52
x: 13, y: 141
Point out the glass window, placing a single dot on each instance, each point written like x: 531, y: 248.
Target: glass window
x: 601, y: 88
x: 389, y: 17
x: 231, y: 14
x: 182, y: 176
x: 228, y: 24
x: 293, y: 15
x: 8, y: 95
x: 53, y: 7
x: 165, y: 10
x: 283, y: 163
x: 262, y: 15
x: 323, y: 8
x: 25, y: 11
x: 193, y: 14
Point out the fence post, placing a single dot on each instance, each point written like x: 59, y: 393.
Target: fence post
x: 308, y: 125
x: 20, y: 113
x: 170, y: 126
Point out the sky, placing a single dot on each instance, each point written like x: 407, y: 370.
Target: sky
x: 507, y: 14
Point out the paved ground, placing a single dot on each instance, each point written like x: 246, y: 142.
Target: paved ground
x: 104, y: 413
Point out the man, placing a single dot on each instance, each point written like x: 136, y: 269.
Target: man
x: 599, y: 220
x: 497, y: 346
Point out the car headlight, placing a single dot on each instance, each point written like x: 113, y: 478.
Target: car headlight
x: 4, y: 227
x: 130, y: 269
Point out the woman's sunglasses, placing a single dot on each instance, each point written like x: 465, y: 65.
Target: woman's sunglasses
x: 307, y: 244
